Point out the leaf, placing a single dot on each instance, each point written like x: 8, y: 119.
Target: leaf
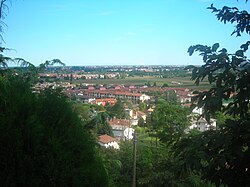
x: 239, y: 53
x: 245, y: 46
x: 215, y: 47
x: 191, y: 50
x: 223, y: 50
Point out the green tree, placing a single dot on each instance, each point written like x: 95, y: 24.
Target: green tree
x: 99, y: 123
x: 83, y: 110
x: 48, y: 64
x: 142, y: 106
x: 117, y: 110
x: 171, y: 97
x: 141, y: 122
x: 165, y: 85
x: 222, y: 155
x: 42, y: 142
x: 169, y: 121
x: 3, y: 12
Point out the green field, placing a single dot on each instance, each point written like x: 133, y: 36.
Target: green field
x: 137, y: 80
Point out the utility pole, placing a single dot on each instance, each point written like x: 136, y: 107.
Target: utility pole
x: 134, y: 159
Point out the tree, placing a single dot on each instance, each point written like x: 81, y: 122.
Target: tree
x: 169, y: 121
x: 233, y: 15
x: 3, y: 8
x: 222, y: 155
x: 42, y: 142
x: 142, y: 106
x: 99, y: 123
x: 141, y: 122
x: 117, y: 110
x: 171, y: 97
x: 165, y: 85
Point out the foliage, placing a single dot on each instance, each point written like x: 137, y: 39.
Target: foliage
x: 233, y: 15
x: 3, y: 12
x: 222, y: 155
x: 142, y: 106
x: 113, y: 166
x: 169, y: 121
x: 141, y: 122
x: 117, y: 110
x: 222, y: 118
x: 155, y: 166
x: 99, y: 123
x: 49, y: 63
x: 165, y: 85
x: 171, y: 97
x: 83, y: 110
x: 42, y: 142
x: 230, y: 76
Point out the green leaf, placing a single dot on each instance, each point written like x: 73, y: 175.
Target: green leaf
x: 191, y: 50
x: 215, y: 47
x: 239, y: 53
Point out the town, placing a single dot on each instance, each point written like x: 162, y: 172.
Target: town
x: 72, y: 81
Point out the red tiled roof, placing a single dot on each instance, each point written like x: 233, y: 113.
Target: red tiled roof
x: 121, y: 122
x: 106, y: 100
x: 106, y: 138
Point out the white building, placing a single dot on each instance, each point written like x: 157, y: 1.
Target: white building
x: 202, y: 125
x: 108, y: 141
x: 144, y: 97
x: 121, y: 128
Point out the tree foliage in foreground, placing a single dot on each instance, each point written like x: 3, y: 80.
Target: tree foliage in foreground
x: 42, y: 142
x: 222, y: 155
x: 229, y: 75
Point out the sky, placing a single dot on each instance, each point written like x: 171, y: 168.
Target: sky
x: 115, y: 32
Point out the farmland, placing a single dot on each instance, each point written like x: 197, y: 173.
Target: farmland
x: 139, y: 80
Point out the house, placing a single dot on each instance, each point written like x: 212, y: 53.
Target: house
x: 134, y: 97
x: 132, y: 114
x: 202, y: 125
x: 108, y: 141
x: 104, y: 101
x: 184, y: 96
x: 144, y: 97
x: 122, y: 128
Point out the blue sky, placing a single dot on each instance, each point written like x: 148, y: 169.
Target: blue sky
x: 115, y: 32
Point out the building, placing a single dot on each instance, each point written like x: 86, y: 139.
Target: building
x: 108, y: 141
x: 122, y: 129
x: 134, y: 97
x: 104, y: 101
x: 202, y: 125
